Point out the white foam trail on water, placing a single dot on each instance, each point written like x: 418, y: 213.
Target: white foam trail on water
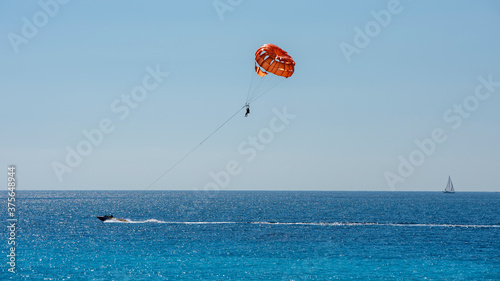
x: 310, y: 223
x: 378, y: 224
x: 114, y: 220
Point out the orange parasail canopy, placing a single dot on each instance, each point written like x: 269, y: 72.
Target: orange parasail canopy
x: 272, y: 59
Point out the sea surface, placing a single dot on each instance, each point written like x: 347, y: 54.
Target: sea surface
x: 254, y: 235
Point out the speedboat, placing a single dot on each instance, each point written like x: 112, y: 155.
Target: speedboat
x: 110, y: 217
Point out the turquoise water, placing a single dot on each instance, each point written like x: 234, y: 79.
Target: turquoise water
x: 194, y: 235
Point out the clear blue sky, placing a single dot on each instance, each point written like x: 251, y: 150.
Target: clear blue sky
x: 356, y: 116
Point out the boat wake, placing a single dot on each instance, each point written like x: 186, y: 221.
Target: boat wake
x: 400, y: 224
x: 132, y: 221
x: 407, y: 224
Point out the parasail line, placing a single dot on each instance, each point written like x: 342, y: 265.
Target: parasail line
x: 194, y: 148
x: 255, y: 89
x: 267, y: 90
x: 252, y: 79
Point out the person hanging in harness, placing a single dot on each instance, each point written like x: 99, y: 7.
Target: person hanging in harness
x: 248, y: 110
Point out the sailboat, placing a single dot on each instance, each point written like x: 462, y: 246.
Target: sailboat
x: 449, y: 187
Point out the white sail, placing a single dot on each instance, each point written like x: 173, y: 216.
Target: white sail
x: 449, y: 187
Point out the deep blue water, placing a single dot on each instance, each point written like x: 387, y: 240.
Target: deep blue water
x: 194, y: 235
